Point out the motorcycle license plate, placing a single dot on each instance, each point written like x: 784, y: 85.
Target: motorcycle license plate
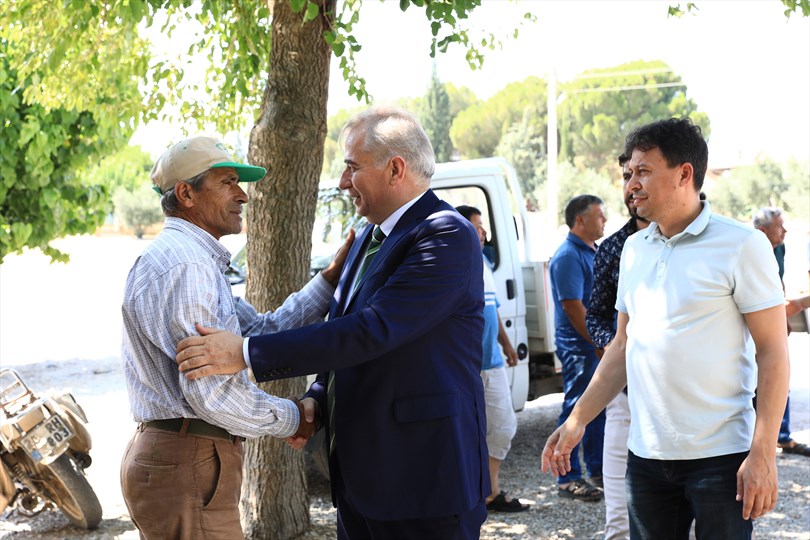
x: 46, y: 437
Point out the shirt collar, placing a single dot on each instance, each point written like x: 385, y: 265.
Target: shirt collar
x: 578, y: 241
x: 391, y: 221
x: 695, y: 228
x: 200, y: 236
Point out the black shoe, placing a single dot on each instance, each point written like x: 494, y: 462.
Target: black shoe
x: 793, y: 447
x: 597, y: 481
x: 500, y: 504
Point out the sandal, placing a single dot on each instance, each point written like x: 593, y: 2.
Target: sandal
x: 580, y: 490
x: 793, y: 447
x: 500, y: 504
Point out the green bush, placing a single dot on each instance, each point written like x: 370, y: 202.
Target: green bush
x: 138, y: 209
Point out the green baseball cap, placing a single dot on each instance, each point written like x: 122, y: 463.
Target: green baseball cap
x: 193, y: 156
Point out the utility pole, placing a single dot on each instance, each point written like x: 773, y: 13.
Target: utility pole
x: 552, y: 182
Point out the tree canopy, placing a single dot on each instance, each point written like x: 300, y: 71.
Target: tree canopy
x: 477, y: 130
x: 601, y: 106
x: 42, y: 193
x: 435, y: 115
x: 91, y: 59
x: 740, y: 192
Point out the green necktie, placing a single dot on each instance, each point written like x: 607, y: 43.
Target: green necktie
x: 377, y: 236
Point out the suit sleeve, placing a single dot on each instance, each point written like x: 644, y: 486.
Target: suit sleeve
x: 424, y: 284
x: 305, y: 307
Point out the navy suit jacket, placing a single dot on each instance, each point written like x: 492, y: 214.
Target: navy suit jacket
x: 406, y: 351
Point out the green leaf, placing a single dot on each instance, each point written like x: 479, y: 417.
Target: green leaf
x: 137, y: 9
x: 312, y: 12
x: 28, y: 131
x: 20, y: 233
x: 298, y: 5
x: 50, y: 196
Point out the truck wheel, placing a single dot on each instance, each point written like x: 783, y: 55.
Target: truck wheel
x: 68, y: 488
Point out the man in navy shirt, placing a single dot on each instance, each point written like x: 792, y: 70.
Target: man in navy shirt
x: 571, y: 273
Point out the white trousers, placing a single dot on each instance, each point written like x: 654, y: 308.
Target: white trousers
x: 614, y: 467
x: 501, y: 420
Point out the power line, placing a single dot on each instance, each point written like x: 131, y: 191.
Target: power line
x: 620, y: 88
x: 617, y: 73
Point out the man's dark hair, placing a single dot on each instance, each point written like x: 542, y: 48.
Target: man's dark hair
x: 679, y: 140
x: 577, y: 206
x: 623, y: 158
x: 468, y: 211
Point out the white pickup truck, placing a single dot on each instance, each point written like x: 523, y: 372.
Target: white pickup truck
x: 523, y: 288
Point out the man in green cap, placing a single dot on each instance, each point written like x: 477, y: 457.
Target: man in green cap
x: 181, y: 474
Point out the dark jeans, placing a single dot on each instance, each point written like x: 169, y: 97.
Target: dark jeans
x: 784, y: 428
x: 662, y: 497
x: 578, y: 367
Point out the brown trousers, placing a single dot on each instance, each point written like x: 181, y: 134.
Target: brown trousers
x: 182, y: 487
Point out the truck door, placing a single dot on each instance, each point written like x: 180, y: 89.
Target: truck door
x: 487, y: 193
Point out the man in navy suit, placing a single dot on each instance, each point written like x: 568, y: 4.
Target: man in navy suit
x: 406, y: 424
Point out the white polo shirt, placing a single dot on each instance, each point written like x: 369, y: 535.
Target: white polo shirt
x: 691, y: 371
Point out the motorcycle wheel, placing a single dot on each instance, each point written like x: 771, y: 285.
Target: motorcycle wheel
x: 71, y: 492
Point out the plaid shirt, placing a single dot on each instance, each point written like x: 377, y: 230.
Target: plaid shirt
x: 178, y: 281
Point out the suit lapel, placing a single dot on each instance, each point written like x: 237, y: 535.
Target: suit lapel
x: 350, y: 267
x: 412, y: 217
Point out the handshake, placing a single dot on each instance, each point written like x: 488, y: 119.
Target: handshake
x: 309, y: 414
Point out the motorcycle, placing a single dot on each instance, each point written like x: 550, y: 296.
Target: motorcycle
x: 44, y: 449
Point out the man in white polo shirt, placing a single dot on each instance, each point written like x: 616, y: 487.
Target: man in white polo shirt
x: 697, y: 294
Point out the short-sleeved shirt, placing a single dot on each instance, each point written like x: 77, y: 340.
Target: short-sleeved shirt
x: 492, y: 351
x: 571, y: 274
x: 691, y: 371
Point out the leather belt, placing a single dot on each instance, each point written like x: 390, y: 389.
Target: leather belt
x: 191, y: 426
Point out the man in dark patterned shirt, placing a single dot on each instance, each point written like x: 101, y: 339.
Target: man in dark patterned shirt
x: 600, y: 321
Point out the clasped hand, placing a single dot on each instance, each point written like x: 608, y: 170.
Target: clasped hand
x: 309, y: 414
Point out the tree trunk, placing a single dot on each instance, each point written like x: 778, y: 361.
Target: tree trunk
x: 288, y: 140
